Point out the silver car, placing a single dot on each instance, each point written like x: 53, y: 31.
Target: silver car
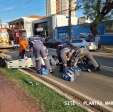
x: 79, y: 43
x: 92, y: 45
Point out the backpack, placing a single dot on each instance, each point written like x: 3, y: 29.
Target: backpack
x: 2, y: 62
x: 69, y: 73
x: 43, y: 71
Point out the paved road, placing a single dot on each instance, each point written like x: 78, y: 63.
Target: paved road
x: 98, y: 85
x: 93, y: 85
x: 105, y: 60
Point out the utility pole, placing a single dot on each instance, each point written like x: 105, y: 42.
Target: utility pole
x: 69, y: 21
x: 0, y: 23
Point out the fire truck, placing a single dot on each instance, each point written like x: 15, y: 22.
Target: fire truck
x: 4, y: 38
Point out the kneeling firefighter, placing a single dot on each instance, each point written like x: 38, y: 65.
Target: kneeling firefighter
x: 70, y: 54
x: 40, y: 52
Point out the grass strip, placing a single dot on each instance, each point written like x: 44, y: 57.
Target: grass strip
x: 49, y: 99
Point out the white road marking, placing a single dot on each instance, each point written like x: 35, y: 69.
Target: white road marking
x: 107, y: 55
x: 108, y: 68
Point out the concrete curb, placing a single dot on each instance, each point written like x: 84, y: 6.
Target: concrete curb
x: 39, y: 79
x: 70, y: 93
x: 107, y: 49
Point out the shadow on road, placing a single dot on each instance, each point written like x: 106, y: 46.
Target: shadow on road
x: 105, y: 73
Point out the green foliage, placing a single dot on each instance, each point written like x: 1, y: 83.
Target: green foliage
x: 96, y: 11
x: 92, y: 9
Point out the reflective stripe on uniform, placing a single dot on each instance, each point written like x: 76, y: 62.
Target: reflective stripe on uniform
x: 45, y: 57
x: 38, y: 58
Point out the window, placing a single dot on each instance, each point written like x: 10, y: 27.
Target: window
x: 62, y: 36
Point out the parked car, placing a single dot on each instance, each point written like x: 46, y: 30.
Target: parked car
x: 52, y: 43
x: 92, y: 44
x: 80, y: 43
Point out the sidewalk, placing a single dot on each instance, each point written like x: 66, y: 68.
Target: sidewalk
x: 107, y: 49
x: 102, y: 54
x: 13, y: 99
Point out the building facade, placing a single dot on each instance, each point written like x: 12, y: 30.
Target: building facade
x: 22, y: 25
x: 50, y: 7
x: 105, y: 30
x: 59, y: 7
x: 50, y: 23
x: 4, y: 25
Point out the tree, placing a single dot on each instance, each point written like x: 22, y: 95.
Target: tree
x: 97, y: 11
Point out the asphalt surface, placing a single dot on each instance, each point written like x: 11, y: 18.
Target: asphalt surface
x: 105, y: 61
x: 97, y: 85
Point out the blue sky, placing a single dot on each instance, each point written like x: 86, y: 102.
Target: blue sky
x: 11, y: 9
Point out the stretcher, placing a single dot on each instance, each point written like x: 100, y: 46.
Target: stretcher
x: 21, y: 63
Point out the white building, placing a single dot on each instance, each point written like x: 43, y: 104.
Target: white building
x: 24, y: 23
x: 59, y: 7
x: 65, y: 7
x: 4, y: 25
x: 84, y: 19
x: 50, y: 7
